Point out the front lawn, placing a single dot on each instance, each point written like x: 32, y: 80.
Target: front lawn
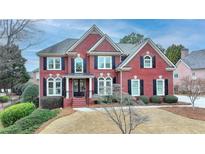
x: 196, y: 113
x: 160, y: 121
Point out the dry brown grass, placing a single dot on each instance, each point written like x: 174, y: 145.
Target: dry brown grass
x: 160, y: 121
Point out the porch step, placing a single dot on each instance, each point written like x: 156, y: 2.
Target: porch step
x: 79, y: 102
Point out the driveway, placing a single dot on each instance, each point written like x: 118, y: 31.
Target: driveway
x: 198, y: 103
x: 160, y: 121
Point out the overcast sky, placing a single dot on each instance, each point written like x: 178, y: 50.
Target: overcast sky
x: 190, y: 33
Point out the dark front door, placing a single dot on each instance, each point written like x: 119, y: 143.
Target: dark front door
x: 79, y: 87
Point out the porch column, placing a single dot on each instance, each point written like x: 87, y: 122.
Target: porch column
x: 67, y: 87
x: 90, y: 87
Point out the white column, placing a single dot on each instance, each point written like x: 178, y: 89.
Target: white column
x: 67, y: 87
x: 90, y: 87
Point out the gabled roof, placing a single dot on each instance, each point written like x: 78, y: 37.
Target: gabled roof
x: 195, y: 60
x: 59, y: 48
x: 106, y: 37
x: 93, y: 29
x: 138, y: 47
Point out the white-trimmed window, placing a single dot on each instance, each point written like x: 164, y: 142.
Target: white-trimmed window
x: 53, y: 63
x: 105, y: 86
x: 176, y: 75
x: 54, y: 87
x: 104, y: 62
x: 147, y: 61
x: 78, y: 65
x: 160, y: 87
x: 135, y: 87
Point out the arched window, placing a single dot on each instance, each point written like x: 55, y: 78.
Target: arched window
x: 101, y: 85
x: 108, y: 90
x: 78, y: 65
x: 147, y: 61
x: 105, y: 86
x: 54, y: 87
x: 58, y: 86
x: 50, y: 86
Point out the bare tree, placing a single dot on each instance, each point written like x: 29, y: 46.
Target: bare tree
x: 123, y: 113
x: 193, y: 88
x: 13, y: 31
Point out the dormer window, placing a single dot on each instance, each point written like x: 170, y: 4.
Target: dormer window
x: 147, y: 61
x: 78, y: 65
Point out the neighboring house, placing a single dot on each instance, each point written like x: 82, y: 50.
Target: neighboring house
x: 82, y: 69
x: 190, y: 65
x: 35, y: 76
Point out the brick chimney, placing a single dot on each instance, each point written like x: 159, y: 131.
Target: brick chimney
x: 184, y: 53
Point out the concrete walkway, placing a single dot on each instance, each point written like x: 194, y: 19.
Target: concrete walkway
x: 86, y: 109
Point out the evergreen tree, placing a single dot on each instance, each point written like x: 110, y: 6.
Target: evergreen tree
x: 173, y: 52
x: 12, y: 69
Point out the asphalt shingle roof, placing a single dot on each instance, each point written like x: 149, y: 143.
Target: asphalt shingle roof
x: 60, y: 47
x: 63, y: 46
x: 196, y: 59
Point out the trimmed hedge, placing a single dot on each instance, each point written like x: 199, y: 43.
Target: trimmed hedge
x: 30, y: 123
x: 4, y: 99
x: 30, y: 93
x: 155, y: 99
x: 170, y: 99
x: 51, y: 102
x: 145, y: 99
x: 13, y: 113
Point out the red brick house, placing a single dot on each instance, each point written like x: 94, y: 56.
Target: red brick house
x: 82, y: 69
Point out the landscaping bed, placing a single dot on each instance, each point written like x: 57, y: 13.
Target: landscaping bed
x: 149, y: 104
x: 197, y: 113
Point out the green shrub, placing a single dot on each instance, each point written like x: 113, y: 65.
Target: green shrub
x: 51, y: 102
x: 30, y: 123
x: 155, y: 99
x: 170, y: 99
x: 13, y: 113
x: 144, y: 99
x: 30, y: 94
x: 4, y: 99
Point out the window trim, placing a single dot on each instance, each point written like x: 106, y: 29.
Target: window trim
x: 54, y: 86
x: 132, y: 80
x: 104, y: 61
x: 105, y: 85
x: 54, y: 63
x: 75, y: 64
x: 150, y: 61
x: 177, y: 75
x: 163, y: 87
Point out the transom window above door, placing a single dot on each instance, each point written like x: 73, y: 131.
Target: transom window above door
x: 78, y: 65
x: 53, y: 63
x: 104, y: 62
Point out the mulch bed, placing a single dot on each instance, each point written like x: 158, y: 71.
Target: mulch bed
x: 64, y: 112
x: 189, y: 112
x: 149, y: 104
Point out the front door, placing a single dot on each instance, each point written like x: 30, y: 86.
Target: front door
x: 79, y: 87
